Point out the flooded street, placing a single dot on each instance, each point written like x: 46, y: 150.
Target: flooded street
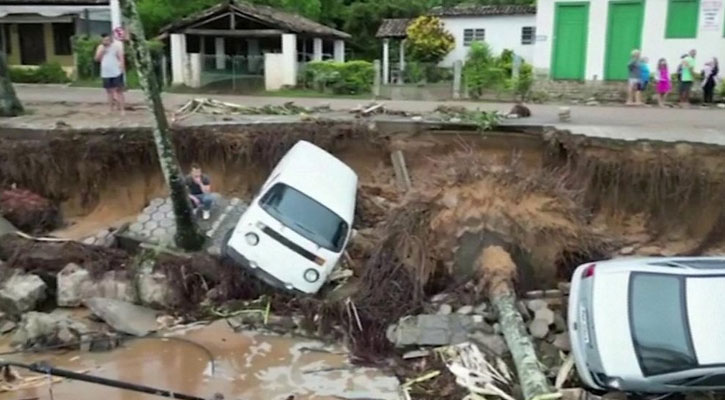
x: 245, y: 365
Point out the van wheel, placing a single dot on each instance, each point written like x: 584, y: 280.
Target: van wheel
x: 225, y: 241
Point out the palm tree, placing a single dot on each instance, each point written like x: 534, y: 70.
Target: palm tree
x: 9, y: 104
x: 188, y: 236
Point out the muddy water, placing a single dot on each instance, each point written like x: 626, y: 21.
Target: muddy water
x: 245, y: 365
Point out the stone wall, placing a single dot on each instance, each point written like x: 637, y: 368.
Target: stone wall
x: 550, y: 90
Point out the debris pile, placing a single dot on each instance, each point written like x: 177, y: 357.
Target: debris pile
x: 216, y: 107
x: 29, y: 211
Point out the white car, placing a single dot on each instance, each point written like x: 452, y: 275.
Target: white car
x: 297, y: 227
x: 650, y: 325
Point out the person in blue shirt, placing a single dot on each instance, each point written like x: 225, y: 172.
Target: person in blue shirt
x: 644, y: 76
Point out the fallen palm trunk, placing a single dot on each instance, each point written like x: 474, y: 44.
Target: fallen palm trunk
x: 498, y: 271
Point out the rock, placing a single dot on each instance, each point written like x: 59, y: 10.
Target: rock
x: 492, y: 342
x: 155, y: 291
x: 650, y: 251
x: 592, y: 103
x: 48, y: 330
x: 71, y: 281
x: 75, y: 284
x: 545, y: 314
x: 7, y: 326
x: 525, y: 314
x: 627, y: 251
x: 561, y: 342
x: 433, y: 330
x: 539, y: 328
x: 560, y: 323
x: 549, y: 356
x: 445, y: 309
x: 465, y: 310
x: 21, y: 293
x: 538, y: 304
x: 123, y: 316
x: 439, y: 298
x: 29, y: 211
x: 565, y: 287
x: 481, y: 309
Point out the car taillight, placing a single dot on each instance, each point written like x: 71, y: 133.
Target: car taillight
x: 589, y: 271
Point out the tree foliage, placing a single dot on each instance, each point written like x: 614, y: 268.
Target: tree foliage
x: 428, y: 40
x: 359, y: 18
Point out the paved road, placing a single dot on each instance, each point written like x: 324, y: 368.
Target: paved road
x: 672, y: 125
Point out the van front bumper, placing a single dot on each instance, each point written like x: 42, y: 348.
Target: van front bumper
x: 258, y: 273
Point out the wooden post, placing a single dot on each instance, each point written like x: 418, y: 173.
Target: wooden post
x: 457, y: 72
x: 497, y: 271
x: 401, y: 171
x: 188, y: 236
x: 376, y: 79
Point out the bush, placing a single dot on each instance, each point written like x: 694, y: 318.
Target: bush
x: 481, y: 70
x: 417, y: 72
x: 45, y: 73
x: 351, y: 77
x: 525, y: 81
x: 428, y: 40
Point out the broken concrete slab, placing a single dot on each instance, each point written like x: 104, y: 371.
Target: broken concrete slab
x: 465, y: 310
x: 445, y: 309
x: 7, y: 326
x: 490, y: 341
x: 562, y: 342
x: 537, y: 304
x: 123, y: 316
x: 21, y: 293
x: 71, y: 281
x: 545, y: 314
x: 433, y: 330
x: 154, y: 290
x: 539, y: 328
x: 48, y: 330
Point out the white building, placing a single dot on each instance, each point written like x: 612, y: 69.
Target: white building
x: 504, y: 27
x: 593, y: 40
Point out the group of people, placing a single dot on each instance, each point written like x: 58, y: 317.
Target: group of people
x: 640, y: 76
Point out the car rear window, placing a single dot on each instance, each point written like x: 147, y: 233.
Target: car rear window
x: 659, y: 324
x: 305, y: 216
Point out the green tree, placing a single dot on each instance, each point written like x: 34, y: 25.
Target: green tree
x: 482, y: 70
x: 428, y: 40
x: 307, y: 8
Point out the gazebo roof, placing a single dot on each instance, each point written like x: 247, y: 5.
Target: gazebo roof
x: 54, y: 2
x: 393, y: 28
x: 265, y: 15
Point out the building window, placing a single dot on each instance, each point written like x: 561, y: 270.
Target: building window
x: 473, y: 35
x: 62, y: 34
x: 682, y: 19
x: 528, y: 33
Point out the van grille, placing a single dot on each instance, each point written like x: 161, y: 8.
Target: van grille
x: 289, y: 244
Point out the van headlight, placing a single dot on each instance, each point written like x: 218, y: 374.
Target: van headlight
x: 251, y: 238
x: 311, y: 275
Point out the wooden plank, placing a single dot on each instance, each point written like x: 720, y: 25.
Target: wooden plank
x: 239, y: 33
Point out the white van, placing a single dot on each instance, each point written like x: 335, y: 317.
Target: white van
x: 297, y: 227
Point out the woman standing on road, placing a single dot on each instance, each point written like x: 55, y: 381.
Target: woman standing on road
x: 633, y: 94
x: 709, y: 80
x: 663, y: 81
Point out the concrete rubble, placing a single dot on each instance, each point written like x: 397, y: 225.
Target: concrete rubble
x: 124, y: 317
x: 434, y: 329
x: 36, y: 328
x: 76, y: 284
x: 21, y: 293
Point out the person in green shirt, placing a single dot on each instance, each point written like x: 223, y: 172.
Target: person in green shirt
x: 687, y: 77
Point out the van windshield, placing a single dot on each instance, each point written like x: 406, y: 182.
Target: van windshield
x: 305, y: 216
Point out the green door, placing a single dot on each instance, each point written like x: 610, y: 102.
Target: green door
x: 570, y: 40
x: 624, y: 34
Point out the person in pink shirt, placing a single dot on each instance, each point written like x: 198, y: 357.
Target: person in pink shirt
x: 663, y: 81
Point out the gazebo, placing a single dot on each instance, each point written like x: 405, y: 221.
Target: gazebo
x: 395, y: 29
x: 272, y: 41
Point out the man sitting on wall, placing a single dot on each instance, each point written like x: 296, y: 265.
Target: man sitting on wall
x: 199, y: 186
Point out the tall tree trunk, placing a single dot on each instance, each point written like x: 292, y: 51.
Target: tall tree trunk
x: 9, y: 104
x: 498, y: 272
x: 188, y: 235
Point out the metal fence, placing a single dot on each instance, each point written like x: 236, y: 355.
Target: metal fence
x: 232, y: 73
